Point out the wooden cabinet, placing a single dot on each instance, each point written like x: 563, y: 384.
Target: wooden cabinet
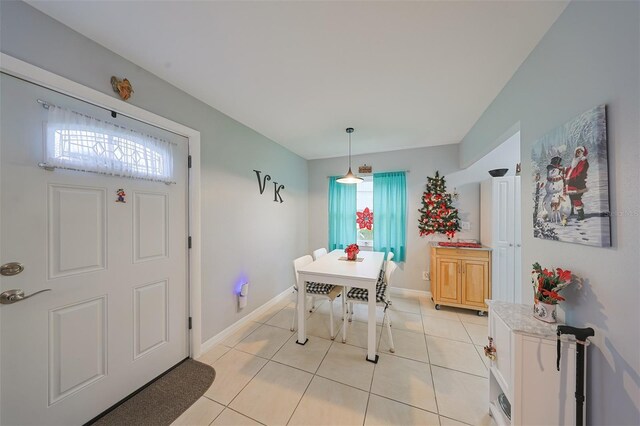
x: 460, y: 277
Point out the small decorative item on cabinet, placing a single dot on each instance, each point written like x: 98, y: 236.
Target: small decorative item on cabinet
x: 352, y: 252
x: 122, y: 87
x: 490, y: 350
x: 547, y: 285
x: 498, y: 172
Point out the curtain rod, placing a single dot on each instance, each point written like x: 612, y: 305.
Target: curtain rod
x: 371, y: 174
x: 50, y: 168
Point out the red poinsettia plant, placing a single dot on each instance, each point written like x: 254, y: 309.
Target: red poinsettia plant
x: 352, y: 251
x: 547, y: 284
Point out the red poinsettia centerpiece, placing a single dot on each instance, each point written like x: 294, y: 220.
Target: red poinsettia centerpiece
x: 547, y: 284
x: 352, y: 251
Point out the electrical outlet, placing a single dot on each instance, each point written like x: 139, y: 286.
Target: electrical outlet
x: 426, y: 276
x: 465, y: 225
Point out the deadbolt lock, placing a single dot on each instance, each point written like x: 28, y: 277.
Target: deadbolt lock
x: 11, y: 268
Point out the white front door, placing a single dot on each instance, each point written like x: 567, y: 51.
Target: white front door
x: 117, y: 313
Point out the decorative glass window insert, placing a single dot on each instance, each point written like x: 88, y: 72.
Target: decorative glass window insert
x: 78, y: 142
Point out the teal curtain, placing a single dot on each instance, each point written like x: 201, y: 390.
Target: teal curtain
x: 342, y: 214
x: 390, y: 214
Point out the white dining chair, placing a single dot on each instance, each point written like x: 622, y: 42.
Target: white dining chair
x: 386, y: 263
x: 326, y: 291
x: 361, y: 295
x: 317, y: 254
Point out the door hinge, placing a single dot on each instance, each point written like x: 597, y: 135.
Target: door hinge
x: 189, y: 323
x: 189, y: 161
x: 189, y: 241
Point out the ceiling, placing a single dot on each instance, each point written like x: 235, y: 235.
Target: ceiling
x: 403, y: 74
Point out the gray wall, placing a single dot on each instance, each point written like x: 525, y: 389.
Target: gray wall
x: 421, y: 163
x: 590, y: 56
x: 244, y: 235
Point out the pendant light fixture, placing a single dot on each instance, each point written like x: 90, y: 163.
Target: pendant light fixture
x: 349, y: 177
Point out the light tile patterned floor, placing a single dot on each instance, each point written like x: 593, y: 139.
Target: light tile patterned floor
x: 435, y: 377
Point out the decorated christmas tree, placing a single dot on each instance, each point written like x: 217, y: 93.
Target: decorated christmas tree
x: 437, y: 213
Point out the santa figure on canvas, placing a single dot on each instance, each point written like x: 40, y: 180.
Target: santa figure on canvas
x: 575, y: 179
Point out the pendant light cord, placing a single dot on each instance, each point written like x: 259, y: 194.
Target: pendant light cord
x: 349, y: 150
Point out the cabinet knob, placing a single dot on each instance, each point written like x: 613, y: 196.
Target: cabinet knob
x: 490, y: 350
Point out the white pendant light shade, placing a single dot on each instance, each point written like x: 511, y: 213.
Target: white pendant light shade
x: 349, y: 178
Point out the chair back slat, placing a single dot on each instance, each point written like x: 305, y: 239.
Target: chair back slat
x: 319, y: 253
x: 300, y: 263
x: 388, y: 273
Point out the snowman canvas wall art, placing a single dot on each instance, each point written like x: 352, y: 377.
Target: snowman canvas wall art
x: 571, y: 182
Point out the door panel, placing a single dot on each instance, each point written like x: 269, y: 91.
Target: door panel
x: 151, y: 225
x: 78, y: 347
x: 448, y: 280
x: 116, y: 271
x: 150, y: 316
x: 475, y: 275
x: 77, y: 230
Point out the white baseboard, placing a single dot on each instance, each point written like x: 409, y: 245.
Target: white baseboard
x: 205, y: 346
x: 407, y: 292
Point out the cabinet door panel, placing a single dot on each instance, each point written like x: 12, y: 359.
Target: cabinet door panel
x: 475, y: 279
x: 543, y: 386
x: 448, y: 276
x: 501, y: 366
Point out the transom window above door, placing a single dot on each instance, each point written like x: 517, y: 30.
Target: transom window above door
x: 79, y: 142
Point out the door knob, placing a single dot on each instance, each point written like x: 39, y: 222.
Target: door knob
x: 12, y: 296
x: 11, y: 268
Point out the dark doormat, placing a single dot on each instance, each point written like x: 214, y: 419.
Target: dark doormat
x: 164, y: 400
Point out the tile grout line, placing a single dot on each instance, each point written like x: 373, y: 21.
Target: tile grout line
x: 244, y: 387
x: 404, y: 403
x: 433, y: 382
x: 258, y: 372
x: 309, y: 384
x: 244, y: 415
x: 366, y: 408
x: 455, y: 420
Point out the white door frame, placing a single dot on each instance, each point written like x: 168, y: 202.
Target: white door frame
x: 49, y: 80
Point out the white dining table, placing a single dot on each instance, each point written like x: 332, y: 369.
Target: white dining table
x: 329, y: 269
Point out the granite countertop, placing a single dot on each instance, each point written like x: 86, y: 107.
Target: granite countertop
x: 483, y: 248
x: 519, y: 318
